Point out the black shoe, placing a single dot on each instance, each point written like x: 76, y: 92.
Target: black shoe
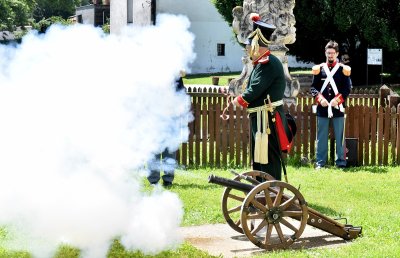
x: 167, y: 184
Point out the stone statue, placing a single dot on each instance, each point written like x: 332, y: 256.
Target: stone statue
x: 279, y: 13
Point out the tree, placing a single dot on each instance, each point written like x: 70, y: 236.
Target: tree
x: 355, y: 24
x: 14, y: 13
x: 42, y: 25
x: 225, y: 7
x: 48, y: 8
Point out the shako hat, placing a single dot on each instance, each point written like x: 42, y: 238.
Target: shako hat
x: 261, y: 34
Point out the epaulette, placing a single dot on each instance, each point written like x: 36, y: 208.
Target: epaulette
x: 346, y: 70
x: 316, y: 69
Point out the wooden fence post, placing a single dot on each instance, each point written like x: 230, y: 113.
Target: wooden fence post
x: 393, y: 133
x: 394, y: 100
x: 384, y: 91
x: 398, y: 136
x: 381, y: 113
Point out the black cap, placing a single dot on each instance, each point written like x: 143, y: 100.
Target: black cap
x: 262, y: 30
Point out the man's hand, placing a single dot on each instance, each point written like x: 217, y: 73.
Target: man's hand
x: 334, y: 102
x: 223, y: 90
x: 235, y: 102
x: 324, y: 102
x: 321, y: 100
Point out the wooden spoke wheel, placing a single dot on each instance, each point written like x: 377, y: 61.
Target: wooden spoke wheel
x: 273, y: 215
x: 232, y: 199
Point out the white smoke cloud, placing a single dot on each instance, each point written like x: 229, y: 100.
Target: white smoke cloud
x: 80, y: 113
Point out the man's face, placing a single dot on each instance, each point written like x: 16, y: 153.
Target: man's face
x: 254, y: 56
x: 331, y: 55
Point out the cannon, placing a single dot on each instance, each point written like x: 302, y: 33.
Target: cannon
x: 265, y: 210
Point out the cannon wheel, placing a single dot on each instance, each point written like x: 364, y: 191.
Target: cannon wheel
x: 273, y: 215
x: 232, y: 199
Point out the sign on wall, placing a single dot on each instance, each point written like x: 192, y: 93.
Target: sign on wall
x: 374, y: 56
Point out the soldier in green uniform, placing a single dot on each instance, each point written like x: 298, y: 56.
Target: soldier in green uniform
x: 263, y: 98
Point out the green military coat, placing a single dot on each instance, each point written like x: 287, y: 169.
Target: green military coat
x: 267, y: 79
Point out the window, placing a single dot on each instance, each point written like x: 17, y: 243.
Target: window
x: 220, y: 49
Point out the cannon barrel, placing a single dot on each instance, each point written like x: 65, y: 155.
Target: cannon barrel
x: 230, y: 183
x: 247, y: 178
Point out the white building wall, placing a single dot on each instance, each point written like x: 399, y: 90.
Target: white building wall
x: 87, y: 13
x: 118, y: 15
x: 209, y: 29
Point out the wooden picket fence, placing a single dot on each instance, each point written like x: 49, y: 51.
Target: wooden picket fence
x: 215, y: 142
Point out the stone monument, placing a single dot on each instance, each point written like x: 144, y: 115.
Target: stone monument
x: 279, y: 13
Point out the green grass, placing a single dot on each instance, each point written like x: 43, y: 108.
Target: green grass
x: 207, y: 78
x: 300, y: 71
x: 366, y: 196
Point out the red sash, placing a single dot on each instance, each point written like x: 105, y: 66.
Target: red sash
x: 283, y: 139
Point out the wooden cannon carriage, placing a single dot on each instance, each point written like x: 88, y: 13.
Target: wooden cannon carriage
x: 266, y: 211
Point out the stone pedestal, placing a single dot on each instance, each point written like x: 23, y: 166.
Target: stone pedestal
x: 292, y: 85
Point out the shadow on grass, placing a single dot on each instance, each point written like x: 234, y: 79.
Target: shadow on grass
x: 371, y: 169
x: 196, y: 186
x: 185, y: 186
x: 324, y: 210
x: 302, y: 243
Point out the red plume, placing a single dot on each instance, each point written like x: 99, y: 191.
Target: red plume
x: 254, y: 17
